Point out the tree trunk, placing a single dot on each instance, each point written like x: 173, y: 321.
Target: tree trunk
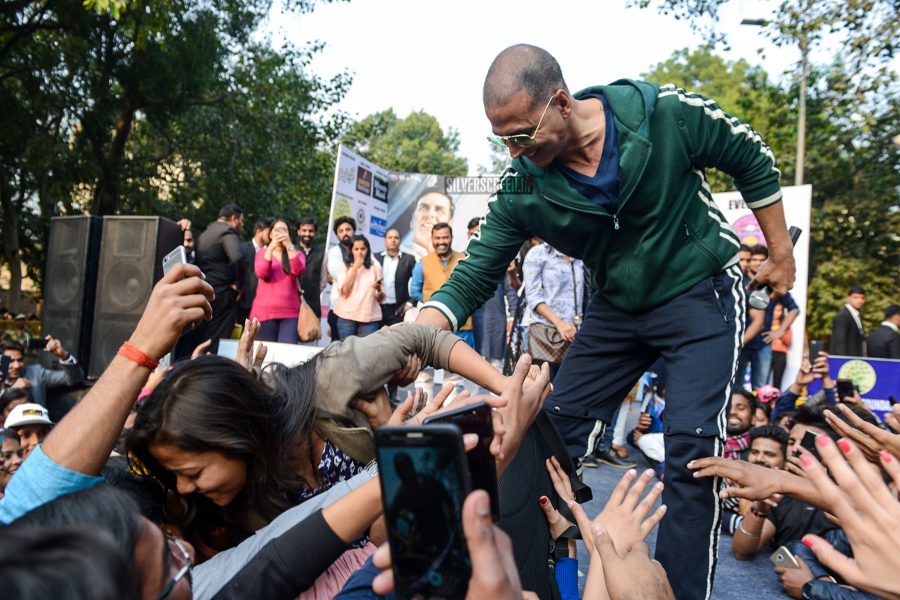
x: 11, y: 245
x: 106, y: 196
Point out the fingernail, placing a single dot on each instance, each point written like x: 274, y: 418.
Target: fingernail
x: 631, y: 472
x: 822, y: 440
x: 663, y: 507
x: 482, y: 506
x: 648, y: 472
x: 844, y: 445
x: 544, y: 500
x: 806, y: 460
x: 808, y: 543
x: 886, y: 456
x: 690, y: 465
x: 659, y: 485
x: 470, y: 438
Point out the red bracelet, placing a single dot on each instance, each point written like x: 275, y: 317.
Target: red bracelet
x: 133, y: 353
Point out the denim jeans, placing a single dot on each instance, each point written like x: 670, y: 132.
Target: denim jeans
x: 346, y: 327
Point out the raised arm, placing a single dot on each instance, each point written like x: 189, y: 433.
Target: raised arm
x: 83, y: 440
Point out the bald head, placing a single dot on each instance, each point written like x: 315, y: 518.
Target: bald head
x: 522, y: 68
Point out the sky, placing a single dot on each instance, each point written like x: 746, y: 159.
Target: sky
x: 432, y: 55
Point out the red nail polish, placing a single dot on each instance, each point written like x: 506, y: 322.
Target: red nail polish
x: 806, y: 460
x: 844, y: 445
x: 886, y: 456
x: 807, y: 543
x: 544, y: 500
x: 822, y: 440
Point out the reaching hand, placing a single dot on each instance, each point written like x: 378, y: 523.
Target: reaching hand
x: 869, y: 513
x: 870, y: 438
x: 752, y: 482
x: 558, y: 523
x: 625, y: 514
x: 523, y: 398
x: 245, y: 356
x: 408, y: 373
x: 54, y: 346
x: 377, y: 409
x: 179, y: 299
x: 630, y: 574
x: 201, y: 349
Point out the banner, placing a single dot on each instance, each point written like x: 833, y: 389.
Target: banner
x: 361, y: 192
x: 797, y: 205
x: 878, y: 379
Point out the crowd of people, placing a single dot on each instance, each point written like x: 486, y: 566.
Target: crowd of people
x: 220, y: 477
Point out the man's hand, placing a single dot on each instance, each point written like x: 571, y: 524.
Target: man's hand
x: 630, y: 574
x: 179, y: 299
x: 793, y: 580
x: 494, y: 571
x: 245, y: 356
x: 377, y: 409
x: 523, y: 398
x: 752, y: 482
x: 54, y: 346
x: 408, y: 373
x: 185, y: 224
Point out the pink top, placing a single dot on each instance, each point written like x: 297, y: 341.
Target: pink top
x: 277, y: 295
x: 361, y: 305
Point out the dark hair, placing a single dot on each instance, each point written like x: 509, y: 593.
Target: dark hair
x: 213, y: 404
x: 147, y: 493
x: 11, y: 345
x: 473, y: 222
x: 231, y: 210
x: 891, y: 310
x: 813, y: 416
x: 307, y: 221
x: 341, y: 220
x: 348, y: 259
x: 8, y: 434
x: 789, y: 415
x: 766, y: 408
x: 63, y: 563
x: 522, y: 67
x: 13, y: 394
x: 439, y: 226
x: 262, y: 224
x: 759, y: 249
x: 771, y: 432
x: 285, y: 260
x: 856, y: 290
x: 741, y: 391
x: 744, y: 248
x: 101, y: 507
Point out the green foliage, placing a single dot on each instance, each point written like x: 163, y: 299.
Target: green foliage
x: 416, y: 144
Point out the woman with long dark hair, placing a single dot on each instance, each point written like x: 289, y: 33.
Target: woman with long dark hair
x: 277, y: 303
x: 358, y: 307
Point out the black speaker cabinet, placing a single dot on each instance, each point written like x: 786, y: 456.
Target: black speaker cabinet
x: 70, y: 280
x: 130, y: 264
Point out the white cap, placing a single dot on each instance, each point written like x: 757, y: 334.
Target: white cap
x: 27, y: 414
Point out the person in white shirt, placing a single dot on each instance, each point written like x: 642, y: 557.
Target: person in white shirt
x: 344, y: 229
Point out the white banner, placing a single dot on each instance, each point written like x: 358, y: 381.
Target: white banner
x: 797, y: 205
x: 361, y: 192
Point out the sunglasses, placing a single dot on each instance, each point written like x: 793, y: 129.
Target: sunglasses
x: 523, y: 140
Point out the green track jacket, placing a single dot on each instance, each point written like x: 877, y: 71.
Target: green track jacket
x: 667, y: 233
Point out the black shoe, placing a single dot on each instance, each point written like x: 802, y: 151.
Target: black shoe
x: 609, y: 457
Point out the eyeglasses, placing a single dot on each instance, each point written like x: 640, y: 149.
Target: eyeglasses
x: 182, y: 557
x: 521, y: 139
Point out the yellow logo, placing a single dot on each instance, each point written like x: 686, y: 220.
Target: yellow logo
x: 860, y: 372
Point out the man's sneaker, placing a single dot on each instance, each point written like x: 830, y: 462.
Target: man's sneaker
x: 609, y: 457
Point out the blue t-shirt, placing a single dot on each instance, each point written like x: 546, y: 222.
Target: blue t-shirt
x: 38, y: 481
x: 788, y: 304
x: 603, y: 188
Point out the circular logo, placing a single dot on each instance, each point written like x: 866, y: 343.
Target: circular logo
x: 360, y: 217
x: 860, y: 372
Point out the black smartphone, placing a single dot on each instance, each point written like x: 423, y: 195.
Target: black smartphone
x: 845, y: 388
x: 4, y: 367
x: 809, y: 442
x: 423, y: 486
x: 476, y: 418
x: 816, y: 347
x: 37, y: 343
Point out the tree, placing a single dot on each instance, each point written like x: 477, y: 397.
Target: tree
x: 416, y: 144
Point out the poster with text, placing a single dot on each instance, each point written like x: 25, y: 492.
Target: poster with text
x: 797, y: 202
x: 361, y: 192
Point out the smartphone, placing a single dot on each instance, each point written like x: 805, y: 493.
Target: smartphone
x: 783, y: 558
x: 4, y: 367
x: 809, y: 442
x: 37, y: 344
x: 175, y: 257
x: 816, y: 347
x: 423, y: 485
x: 845, y: 388
x: 477, y: 418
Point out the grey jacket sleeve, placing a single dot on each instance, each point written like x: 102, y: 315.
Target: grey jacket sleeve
x: 359, y: 366
x: 43, y: 379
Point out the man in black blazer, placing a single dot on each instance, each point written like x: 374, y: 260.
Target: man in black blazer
x: 848, y: 336
x: 396, y: 268
x: 884, y: 342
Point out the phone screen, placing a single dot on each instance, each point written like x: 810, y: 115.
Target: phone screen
x: 476, y: 418
x: 815, y: 348
x: 845, y: 388
x: 423, y: 486
x: 809, y: 442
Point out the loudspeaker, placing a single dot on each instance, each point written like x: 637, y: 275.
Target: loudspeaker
x: 70, y: 280
x: 130, y: 264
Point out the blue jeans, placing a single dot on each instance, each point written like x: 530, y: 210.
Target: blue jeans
x: 346, y: 327
x: 760, y: 360
x: 278, y: 330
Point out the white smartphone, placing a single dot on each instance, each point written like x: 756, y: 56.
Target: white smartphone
x: 783, y: 558
x: 175, y: 257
